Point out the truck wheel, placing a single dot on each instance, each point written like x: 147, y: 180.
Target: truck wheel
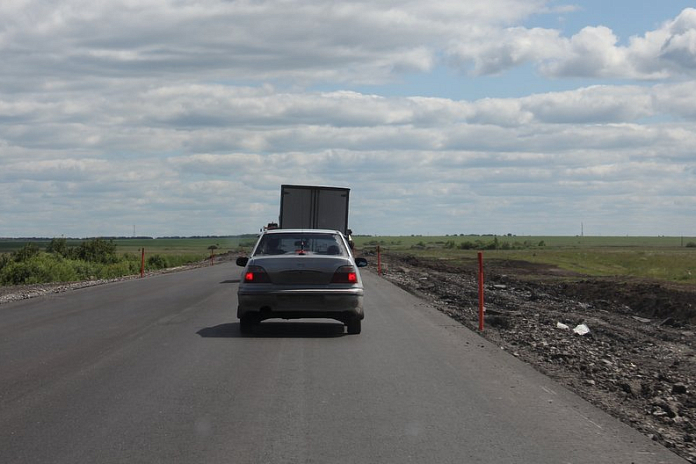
x: 354, y: 326
x: 246, y: 325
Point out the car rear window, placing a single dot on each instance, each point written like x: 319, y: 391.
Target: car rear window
x: 317, y: 244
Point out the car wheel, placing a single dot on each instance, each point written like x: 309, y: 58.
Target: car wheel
x: 354, y: 326
x: 246, y: 325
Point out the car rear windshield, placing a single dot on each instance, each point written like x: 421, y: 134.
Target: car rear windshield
x: 316, y: 244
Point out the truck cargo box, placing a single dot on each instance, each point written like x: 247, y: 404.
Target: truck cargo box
x: 313, y: 207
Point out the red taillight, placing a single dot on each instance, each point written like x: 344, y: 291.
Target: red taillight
x: 256, y: 275
x: 345, y: 275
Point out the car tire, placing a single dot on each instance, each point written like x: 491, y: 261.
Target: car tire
x: 246, y: 325
x: 354, y: 326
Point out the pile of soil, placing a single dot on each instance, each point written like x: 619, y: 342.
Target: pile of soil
x: 637, y: 362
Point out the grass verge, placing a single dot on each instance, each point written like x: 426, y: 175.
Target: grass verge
x: 671, y: 259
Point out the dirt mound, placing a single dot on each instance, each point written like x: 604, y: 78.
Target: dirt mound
x: 647, y: 299
x: 637, y: 362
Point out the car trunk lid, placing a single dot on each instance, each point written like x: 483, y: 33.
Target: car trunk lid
x: 302, y: 270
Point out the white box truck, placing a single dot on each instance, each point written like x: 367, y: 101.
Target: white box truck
x: 313, y: 207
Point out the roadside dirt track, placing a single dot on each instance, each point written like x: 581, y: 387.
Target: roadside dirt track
x: 638, y: 361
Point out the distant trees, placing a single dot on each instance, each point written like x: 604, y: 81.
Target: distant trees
x: 96, y: 250
x: 59, y: 246
x: 25, y: 253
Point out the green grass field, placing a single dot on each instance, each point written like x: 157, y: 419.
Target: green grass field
x: 189, y: 246
x: 664, y: 258
x: 401, y: 242
x: 670, y: 259
x: 162, y: 246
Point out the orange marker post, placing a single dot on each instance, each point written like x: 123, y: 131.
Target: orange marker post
x: 379, y: 261
x: 142, y: 263
x: 481, y: 307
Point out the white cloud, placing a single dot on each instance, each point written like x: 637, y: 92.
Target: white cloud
x: 493, y: 51
x: 669, y: 51
x: 82, y: 44
x: 58, y: 170
x: 592, y: 105
x: 358, y: 42
x: 591, y: 52
x: 184, y: 117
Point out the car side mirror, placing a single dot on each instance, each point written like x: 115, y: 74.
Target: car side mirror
x: 242, y: 261
x: 360, y: 262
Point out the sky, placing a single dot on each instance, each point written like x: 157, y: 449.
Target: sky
x: 184, y: 117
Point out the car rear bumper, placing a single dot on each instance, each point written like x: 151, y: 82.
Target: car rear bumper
x: 340, y: 304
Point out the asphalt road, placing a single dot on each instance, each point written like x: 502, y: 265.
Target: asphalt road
x: 154, y: 371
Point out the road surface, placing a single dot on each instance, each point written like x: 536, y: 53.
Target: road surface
x: 154, y: 370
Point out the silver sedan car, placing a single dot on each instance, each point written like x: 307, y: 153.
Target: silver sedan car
x: 294, y: 274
